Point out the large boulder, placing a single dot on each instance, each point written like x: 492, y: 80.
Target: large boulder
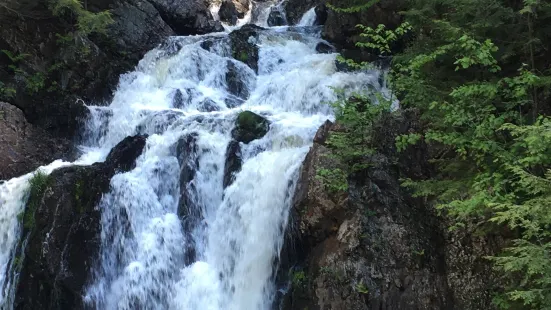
x: 250, y: 126
x: 244, y: 45
x: 187, y: 17
x: 236, y: 81
x: 61, y: 234
x: 373, y: 246
x: 23, y: 146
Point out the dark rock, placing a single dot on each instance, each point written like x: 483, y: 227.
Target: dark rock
x: 235, y: 82
x: 233, y: 163
x: 207, y: 105
x: 321, y: 14
x: 187, y: 17
x: 277, y: 17
x: 25, y: 147
x: 250, y: 126
x: 376, y: 247
x: 243, y: 46
x: 158, y: 122
x: 188, y: 211
x: 324, y: 48
x: 62, y: 231
x: 232, y: 10
x: 228, y: 12
x: 182, y: 97
x: 233, y: 102
x: 186, y: 152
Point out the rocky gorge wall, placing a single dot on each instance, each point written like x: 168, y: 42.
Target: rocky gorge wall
x: 376, y: 247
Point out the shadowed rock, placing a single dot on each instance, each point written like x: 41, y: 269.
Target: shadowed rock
x: 62, y: 231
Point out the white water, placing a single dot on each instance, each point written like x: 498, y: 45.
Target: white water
x: 309, y: 18
x: 221, y: 254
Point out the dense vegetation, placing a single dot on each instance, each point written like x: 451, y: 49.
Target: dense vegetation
x: 478, y: 73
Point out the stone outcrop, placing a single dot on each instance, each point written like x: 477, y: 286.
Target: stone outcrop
x: 250, y: 126
x: 244, y: 45
x: 61, y: 236
x: 376, y: 247
x: 23, y: 146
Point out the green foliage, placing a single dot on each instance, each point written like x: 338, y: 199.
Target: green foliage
x: 87, y: 22
x: 380, y: 38
x: 353, y: 6
x: 6, y: 92
x: 353, y: 142
x: 35, y: 82
x: 37, y: 186
x: 335, y: 180
x: 14, y: 58
x: 476, y: 72
x: 298, y: 279
x: 361, y: 288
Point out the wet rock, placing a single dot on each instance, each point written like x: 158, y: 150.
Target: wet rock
x: 188, y: 210
x: 276, y: 17
x: 62, y: 231
x: 207, y: 105
x: 233, y: 102
x: 23, y: 146
x: 158, y: 122
x: 235, y: 81
x: 250, y: 126
x: 182, y: 97
x: 186, y: 152
x: 228, y: 12
x: 243, y: 45
x: 187, y: 17
x: 324, y: 48
x: 233, y: 163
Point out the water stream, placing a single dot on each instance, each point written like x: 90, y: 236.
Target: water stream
x: 220, y: 253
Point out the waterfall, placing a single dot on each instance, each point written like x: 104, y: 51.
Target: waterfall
x: 175, y: 240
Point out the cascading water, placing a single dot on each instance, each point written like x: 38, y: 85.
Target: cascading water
x: 172, y: 236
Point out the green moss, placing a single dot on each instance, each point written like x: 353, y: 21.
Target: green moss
x: 242, y: 56
x: 298, y: 279
x: 37, y: 186
x: 79, y: 193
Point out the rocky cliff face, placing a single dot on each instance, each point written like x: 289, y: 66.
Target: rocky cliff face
x: 61, y: 236
x: 376, y: 247
x: 23, y: 146
x: 54, y: 70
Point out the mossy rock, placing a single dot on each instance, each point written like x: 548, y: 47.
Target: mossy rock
x: 250, y: 126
